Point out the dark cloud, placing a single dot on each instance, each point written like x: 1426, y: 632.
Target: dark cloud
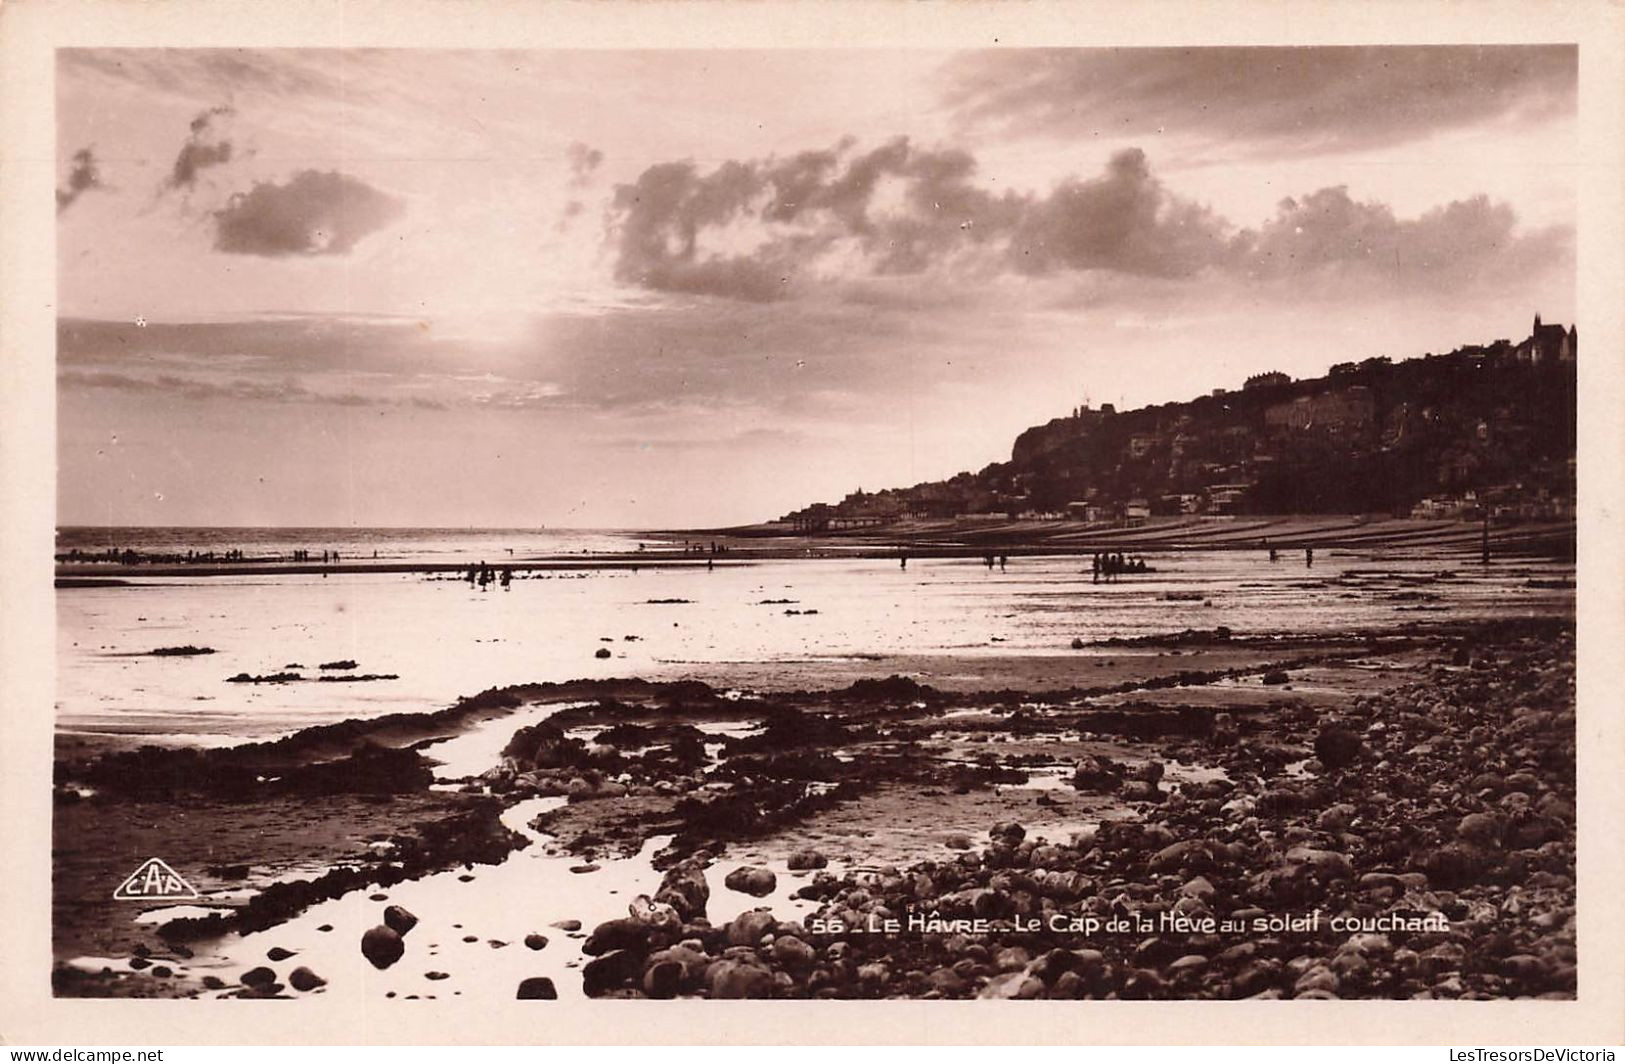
x: 1124, y: 221
x: 83, y: 176
x: 313, y: 213
x: 800, y: 207
x: 763, y: 230
x: 204, y: 147
x: 1296, y: 98
x: 1328, y: 233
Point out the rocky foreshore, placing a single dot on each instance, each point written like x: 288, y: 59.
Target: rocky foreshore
x: 1354, y: 818
x: 1426, y: 851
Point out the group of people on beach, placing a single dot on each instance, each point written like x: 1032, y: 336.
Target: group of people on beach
x: 1308, y: 556
x: 193, y: 556
x: 483, y: 575
x: 327, y: 556
x: 1109, y: 565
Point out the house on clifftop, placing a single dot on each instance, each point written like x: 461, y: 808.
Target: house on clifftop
x: 1548, y: 344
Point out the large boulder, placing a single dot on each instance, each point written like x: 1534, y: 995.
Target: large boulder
x: 691, y: 965
x: 1338, y: 747
x: 1141, y: 791
x: 805, y: 860
x: 753, y: 880
x: 793, y: 953
x: 537, y: 988
x: 399, y: 920
x: 382, y: 946
x: 662, y: 981
x: 611, y: 972
x: 1097, y: 775
x: 1008, y: 832
x: 1482, y: 829
x: 736, y: 979
x: 747, y: 929
x: 626, y: 933
x: 684, y: 888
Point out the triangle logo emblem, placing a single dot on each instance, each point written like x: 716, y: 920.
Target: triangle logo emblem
x: 154, y: 880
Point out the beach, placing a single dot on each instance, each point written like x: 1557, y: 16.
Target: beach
x: 751, y: 772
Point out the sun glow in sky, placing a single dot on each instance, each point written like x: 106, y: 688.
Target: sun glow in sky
x: 644, y: 288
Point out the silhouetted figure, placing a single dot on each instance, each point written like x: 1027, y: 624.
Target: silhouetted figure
x: 1275, y: 555
x: 1095, y: 565
x: 507, y: 577
x: 1308, y: 557
x: 1003, y: 559
x: 902, y: 560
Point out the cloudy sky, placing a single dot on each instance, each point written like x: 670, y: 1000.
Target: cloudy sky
x: 601, y: 288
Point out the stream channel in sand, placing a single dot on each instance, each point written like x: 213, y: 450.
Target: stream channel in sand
x: 472, y: 922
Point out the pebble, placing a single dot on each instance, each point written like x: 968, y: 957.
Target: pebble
x: 303, y: 979
x: 537, y: 988
x: 399, y: 920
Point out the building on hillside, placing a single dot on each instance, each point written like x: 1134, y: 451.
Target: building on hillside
x: 1548, y: 344
x: 1227, y: 498
x: 1272, y: 379
x: 1463, y: 507
x: 1181, y: 503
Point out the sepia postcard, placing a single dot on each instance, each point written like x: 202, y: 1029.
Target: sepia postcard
x: 1042, y: 522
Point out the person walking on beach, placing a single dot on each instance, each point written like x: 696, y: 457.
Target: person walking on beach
x: 1308, y: 557
x: 902, y: 560
x: 1094, y: 568
x: 1003, y: 558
